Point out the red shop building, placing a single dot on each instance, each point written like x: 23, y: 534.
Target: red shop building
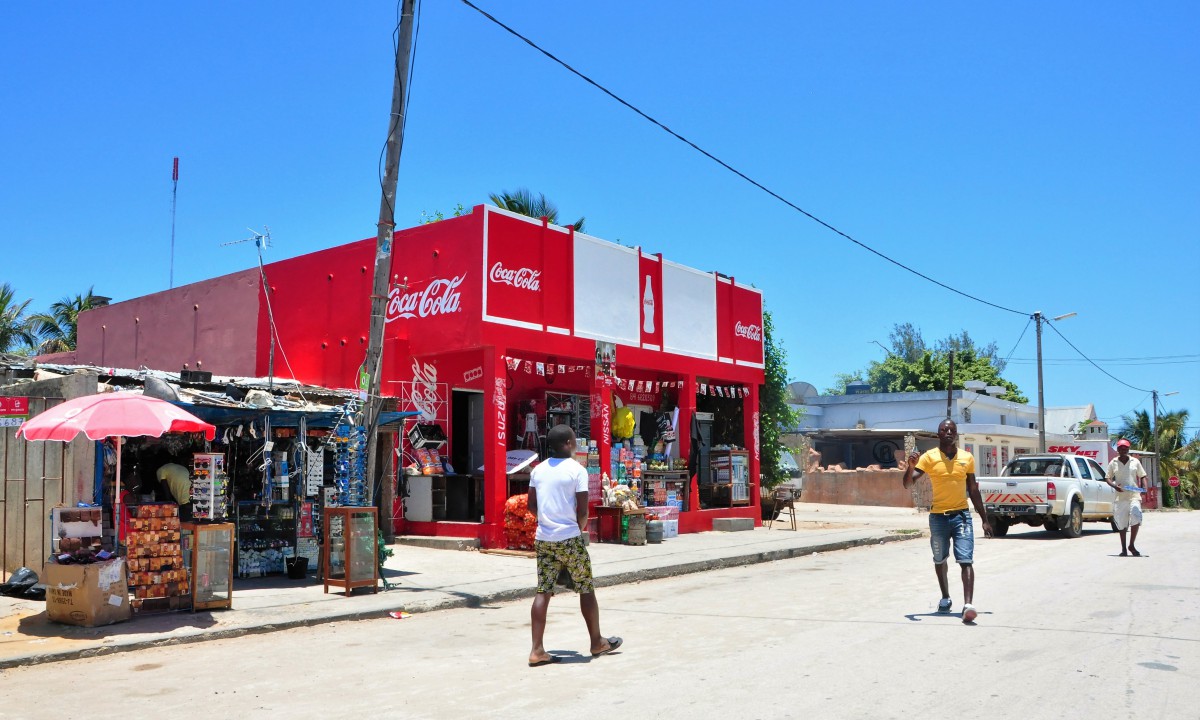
x: 498, y: 325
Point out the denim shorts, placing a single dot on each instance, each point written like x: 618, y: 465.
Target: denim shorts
x: 956, y: 527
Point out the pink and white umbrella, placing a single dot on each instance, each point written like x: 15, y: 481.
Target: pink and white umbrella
x: 117, y: 415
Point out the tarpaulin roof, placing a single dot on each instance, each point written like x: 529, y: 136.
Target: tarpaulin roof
x: 280, y: 418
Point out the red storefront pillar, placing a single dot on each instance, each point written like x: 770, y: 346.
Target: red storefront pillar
x: 496, y: 432
x: 687, y: 408
x: 750, y: 412
x: 602, y: 424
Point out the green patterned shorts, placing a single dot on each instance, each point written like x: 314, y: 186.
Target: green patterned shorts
x: 553, y: 557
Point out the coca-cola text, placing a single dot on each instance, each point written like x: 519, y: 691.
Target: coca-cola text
x: 750, y: 332
x: 440, y: 297
x: 520, y: 278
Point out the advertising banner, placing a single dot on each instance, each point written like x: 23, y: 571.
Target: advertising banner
x: 651, y: 295
x: 527, y: 272
x: 13, y: 411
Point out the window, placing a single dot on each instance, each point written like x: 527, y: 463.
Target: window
x: 1003, y: 419
x: 1097, y: 471
x: 1083, y: 468
x: 967, y: 415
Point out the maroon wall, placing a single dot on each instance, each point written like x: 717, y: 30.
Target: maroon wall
x: 212, y: 324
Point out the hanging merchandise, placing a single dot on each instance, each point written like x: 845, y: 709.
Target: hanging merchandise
x: 349, y: 472
x: 314, y: 477
x: 210, y: 486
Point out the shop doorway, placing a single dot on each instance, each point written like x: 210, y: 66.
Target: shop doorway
x: 466, y: 431
x: 464, y: 491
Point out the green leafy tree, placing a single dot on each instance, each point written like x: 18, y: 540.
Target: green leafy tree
x: 912, y: 366
x: 58, y: 330
x: 1178, y: 455
x: 907, y: 342
x: 932, y: 372
x: 776, y: 416
x: 524, y: 202
x: 16, y: 331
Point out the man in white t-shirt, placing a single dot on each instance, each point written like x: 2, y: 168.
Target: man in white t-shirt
x: 558, y: 496
x: 1125, y: 471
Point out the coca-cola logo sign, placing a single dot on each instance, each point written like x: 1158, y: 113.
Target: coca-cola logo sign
x: 424, y: 394
x: 440, y: 297
x: 520, y: 278
x: 750, y: 332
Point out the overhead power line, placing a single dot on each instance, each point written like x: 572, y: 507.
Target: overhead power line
x: 1093, y: 363
x: 732, y: 169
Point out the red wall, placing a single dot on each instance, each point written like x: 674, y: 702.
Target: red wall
x: 210, y: 324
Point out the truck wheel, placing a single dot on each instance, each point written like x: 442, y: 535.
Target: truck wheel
x: 1051, y: 523
x: 1074, y: 526
x: 1034, y: 522
x: 999, y: 526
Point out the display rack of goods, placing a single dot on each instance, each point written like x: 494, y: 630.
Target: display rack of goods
x: 76, y: 529
x: 266, y: 538
x: 156, y: 571
x: 570, y: 409
x: 210, y: 487
x: 349, y: 469
x: 519, y: 524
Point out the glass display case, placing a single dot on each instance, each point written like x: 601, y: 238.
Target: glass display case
x: 208, y: 557
x: 350, y: 557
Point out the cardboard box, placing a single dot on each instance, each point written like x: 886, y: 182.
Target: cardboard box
x: 87, y: 595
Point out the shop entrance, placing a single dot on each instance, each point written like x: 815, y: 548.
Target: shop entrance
x: 464, y: 498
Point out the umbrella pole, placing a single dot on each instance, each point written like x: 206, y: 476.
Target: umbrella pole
x: 117, y: 501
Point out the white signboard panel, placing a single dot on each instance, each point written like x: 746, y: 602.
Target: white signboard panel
x: 607, y: 306
x: 689, y: 311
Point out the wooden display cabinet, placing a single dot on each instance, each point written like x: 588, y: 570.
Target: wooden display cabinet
x: 730, y: 476
x: 208, y: 554
x: 350, y: 558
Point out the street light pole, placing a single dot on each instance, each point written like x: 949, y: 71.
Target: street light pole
x: 1039, y: 318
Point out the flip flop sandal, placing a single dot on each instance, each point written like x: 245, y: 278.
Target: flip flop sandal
x: 613, y: 644
x: 548, y: 661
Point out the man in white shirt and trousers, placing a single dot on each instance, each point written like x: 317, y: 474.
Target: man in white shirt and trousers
x: 1128, y: 478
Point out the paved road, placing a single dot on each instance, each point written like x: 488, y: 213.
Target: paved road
x: 1066, y: 629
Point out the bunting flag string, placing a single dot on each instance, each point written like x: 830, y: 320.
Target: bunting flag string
x: 530, y: 367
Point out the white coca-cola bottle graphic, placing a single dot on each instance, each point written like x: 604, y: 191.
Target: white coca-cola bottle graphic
x: 648, y: 308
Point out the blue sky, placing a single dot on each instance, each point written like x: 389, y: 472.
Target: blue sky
x: 1042, y: 156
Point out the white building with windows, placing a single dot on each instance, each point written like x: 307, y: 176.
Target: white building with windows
x: 991, y: 429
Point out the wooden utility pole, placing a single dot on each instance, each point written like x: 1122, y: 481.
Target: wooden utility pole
x: 373, y: 365
x: 950, y: 390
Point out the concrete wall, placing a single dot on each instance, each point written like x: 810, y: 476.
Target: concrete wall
x: 211, y: 325
x: 862, y: 486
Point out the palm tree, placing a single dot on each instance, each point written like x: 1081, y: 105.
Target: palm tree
x: 1178, y: 455
x: 16, y: 331
x: 524, y: 202
x: 58, y: 329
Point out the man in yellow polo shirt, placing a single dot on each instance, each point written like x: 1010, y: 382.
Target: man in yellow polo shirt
x: 952, y: 473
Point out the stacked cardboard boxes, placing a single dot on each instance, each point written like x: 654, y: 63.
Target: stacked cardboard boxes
x: 156, y: 568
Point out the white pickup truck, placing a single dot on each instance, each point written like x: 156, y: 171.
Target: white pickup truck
x: 1057, y: 491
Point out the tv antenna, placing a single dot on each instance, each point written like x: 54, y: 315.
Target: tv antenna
x: 263, y: 240
x: 260, y: 239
